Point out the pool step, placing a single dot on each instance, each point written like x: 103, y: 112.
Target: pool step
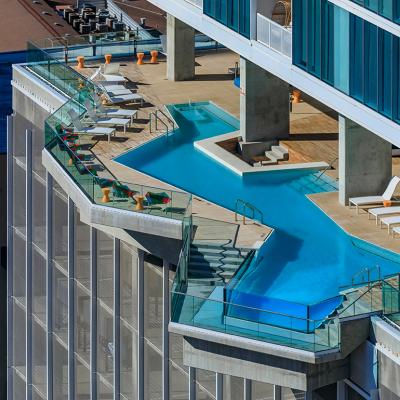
x: 213, y: 264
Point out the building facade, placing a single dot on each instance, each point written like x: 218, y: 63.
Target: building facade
x: 95, y: 307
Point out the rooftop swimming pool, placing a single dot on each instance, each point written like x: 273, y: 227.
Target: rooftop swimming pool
x: 308, y: 257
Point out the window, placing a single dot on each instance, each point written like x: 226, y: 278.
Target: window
x: 349, y: 53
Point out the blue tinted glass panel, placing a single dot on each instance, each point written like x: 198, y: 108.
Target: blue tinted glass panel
x: 327, y: 41
x: 349, y: 53
x: 385, y: 8
x: 385, y: 73
x: 372, y: 5
x: 341, y: 52
x: 234, y: 14
x: 371, y: 65
x: 356, y: 58
x: 396, y: 79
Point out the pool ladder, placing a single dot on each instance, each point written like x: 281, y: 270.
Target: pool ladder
x: 244, y: 206
x: 155, y: 115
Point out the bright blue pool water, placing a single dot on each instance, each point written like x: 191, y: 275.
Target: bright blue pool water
x: 307, y: 258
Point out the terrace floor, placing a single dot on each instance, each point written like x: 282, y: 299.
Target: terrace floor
x: 314, y: 135
x: 355, y: 224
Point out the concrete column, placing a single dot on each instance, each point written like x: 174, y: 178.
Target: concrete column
x: 10, y: 246
x: 247, y: 389
x: 28, y: 263
x: 165, y: 333
x: 93, y: 313
x: 49, y: 284
x: 192, y: 383
x: 219, y: 386
x: 365, y: 161
x: 140, y: 304
x: 341, y: 390
x: 277, y: 392
x: 264, y: 104
x: 117, y: 318
x: 180, y: 50
x: 71, y: 299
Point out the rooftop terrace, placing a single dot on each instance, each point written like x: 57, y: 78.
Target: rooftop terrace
x: 309, y: 125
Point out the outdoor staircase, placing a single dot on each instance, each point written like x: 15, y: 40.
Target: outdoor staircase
x: 354, y: 304
x: 213, y: 264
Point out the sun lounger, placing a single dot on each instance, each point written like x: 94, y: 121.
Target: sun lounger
x: 126, y: 98
x: 389, y: 221
x: 370, y: 200
x: 395, y: 230
x: 382, y: 211
x: 107, y: 121
x: 111, y: 73
x: 113, y: 112
x: 95, y: 130
x: 117, y: 91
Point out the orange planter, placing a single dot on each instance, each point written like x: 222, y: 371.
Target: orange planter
x: 81, y: 62
x: 108, y: 58
x: 296, y: 96
x: 139, y: 203
x: 154, y: 57
x: 140, y: 57
x: 106, y: 195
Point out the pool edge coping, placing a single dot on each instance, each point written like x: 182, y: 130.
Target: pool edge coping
x: 211, y: 148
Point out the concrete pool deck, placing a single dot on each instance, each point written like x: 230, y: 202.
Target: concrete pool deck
x: 355, y: 224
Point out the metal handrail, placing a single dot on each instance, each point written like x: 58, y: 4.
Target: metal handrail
x: 170, y: 120
x: 368, y: 271
x: 157, y: 118
x: 246, y: 205
x: 326, y: 169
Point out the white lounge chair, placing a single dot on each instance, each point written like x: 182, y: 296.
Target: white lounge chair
x: 395, y: 230
x: 117, y: 90
x: 113, y: 112
x: 94, y: 130
x: 381, y: 211
x: 127, y: 98
x: 111, y: 73
x: 370, y: 200
x: 107, y: 121
x: 389, y: 221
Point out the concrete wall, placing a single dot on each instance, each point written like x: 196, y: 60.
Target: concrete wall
x: 365, y: 161
x: 262, y: 367
x: 264, y: 104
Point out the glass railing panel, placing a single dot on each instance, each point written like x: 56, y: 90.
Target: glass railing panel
x: 286, y: 330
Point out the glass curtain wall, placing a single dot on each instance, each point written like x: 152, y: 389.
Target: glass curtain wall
x: 389, y: 9
x: 82, y: 310
x: 60, y: 294
x: 105, y: 314
x: 129, y: 336
x: 349, y: 53
x: 235, y: 14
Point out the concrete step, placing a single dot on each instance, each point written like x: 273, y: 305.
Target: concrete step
x: 281, y: 152
x: 199, y: 257
x: 272, y: 158
x: 218, y: 251
x: 202, y: 281
x: 198, y: 266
